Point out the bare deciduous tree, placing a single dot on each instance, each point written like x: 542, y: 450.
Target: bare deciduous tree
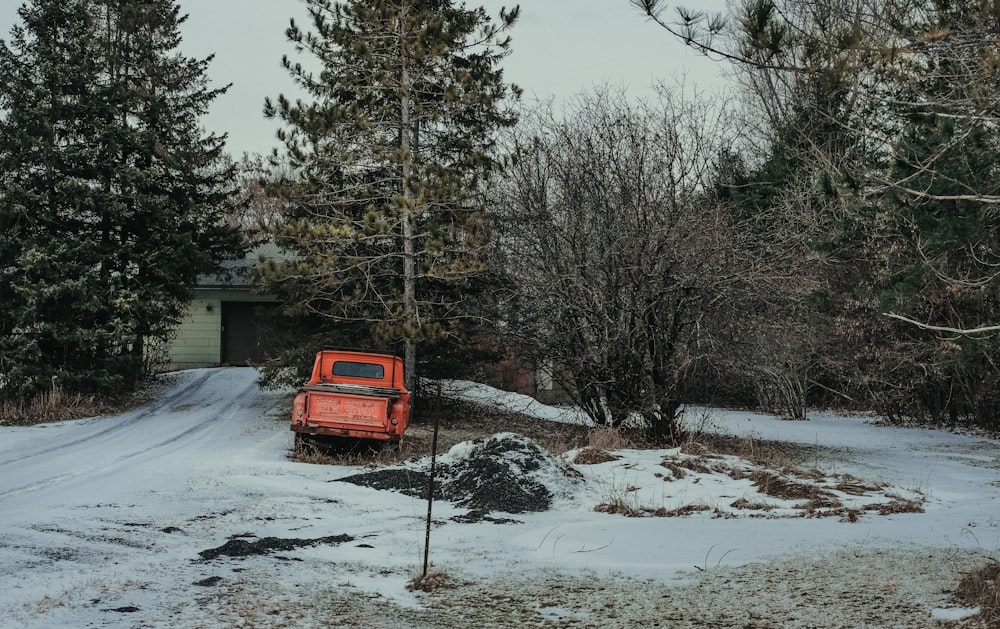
x: 617, y: 255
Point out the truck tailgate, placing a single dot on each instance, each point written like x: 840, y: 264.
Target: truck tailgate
x: 355, y: 410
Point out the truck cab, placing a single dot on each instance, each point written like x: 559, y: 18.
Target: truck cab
x: 352, y: 394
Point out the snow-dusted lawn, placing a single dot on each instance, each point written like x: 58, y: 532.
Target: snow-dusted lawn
x: 102, y: 521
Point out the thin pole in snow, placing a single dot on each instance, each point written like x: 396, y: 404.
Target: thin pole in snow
x: 430, y: 491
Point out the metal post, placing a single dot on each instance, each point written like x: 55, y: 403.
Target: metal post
x: 430, y: 491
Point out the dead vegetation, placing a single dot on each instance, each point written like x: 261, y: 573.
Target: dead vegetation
x: 58, y: 405
x: 981, y: 588
x: 897, y: 505
x: 779, y: 486
x: 433, y: 581
x: 464, y: 421
x: 743, y: 503
x: 351, y: 452
x: 761, y: 452
x: 593, y: 456
x: 620, y: 507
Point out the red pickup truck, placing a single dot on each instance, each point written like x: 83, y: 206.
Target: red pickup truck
x: 352, y: 394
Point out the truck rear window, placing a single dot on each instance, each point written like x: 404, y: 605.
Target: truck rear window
x: 358, y: 370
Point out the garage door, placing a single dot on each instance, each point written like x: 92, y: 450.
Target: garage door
x: 245, y: 337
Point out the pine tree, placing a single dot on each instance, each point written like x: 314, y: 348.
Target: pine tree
x: 392, y: 150
x: 939, y: 235
x: 112, y: 195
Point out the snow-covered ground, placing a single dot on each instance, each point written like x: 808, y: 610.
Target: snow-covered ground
x: 102, y: 522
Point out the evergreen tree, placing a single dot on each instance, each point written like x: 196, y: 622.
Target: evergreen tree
x: 940, y: 241
x: 386, y: 220
x: 112, y: 195
x: 910, y: 210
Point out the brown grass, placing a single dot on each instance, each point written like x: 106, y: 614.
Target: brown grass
x: 774, y: 485
x: 676, y: 470
x: 619, y: 507
x: 897, y: 505
x: 762, y: 452
x: 981, y: 588
x: 743, y: 503
x: 679, y: 511
x: 374, y: 453
x: 593, y: 456
x: 822, y: 500
x: 609, y: 439
x: 58, y: 405
x: 433, y: 581
x: 687, y: 463
x: 856, y: 487
x: 462, y: 421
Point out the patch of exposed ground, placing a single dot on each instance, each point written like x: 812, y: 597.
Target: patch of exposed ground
x: 240, y: 547
x: 860, y: 587
x: 464, y: 421
x: 778, y: 491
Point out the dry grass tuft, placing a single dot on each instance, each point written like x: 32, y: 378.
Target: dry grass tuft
x: 743, y: 503
x: 679, y: 511
x: 359, y: 454
x: 619, y: 507
x: 676, y: 470
x: 432, y: 581
x: 855, y: 487
x: 822, y: 500
x: 609, y: 439
x: 688, y: 463
x: 779, y: 487
x: 897, y: 505
x: 461, y: 421
x: 57, y: 405
x: 849, y: 515
x: 760, y: 452
x: 593, y: 456
x: 981, y: 588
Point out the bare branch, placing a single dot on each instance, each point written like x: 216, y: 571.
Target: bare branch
x: 939, y: 328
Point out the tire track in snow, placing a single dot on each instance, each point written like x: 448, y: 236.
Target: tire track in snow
x: 208, y: 391
x: 121, y: 422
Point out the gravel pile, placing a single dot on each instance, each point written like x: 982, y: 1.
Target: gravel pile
x: 504, y: 472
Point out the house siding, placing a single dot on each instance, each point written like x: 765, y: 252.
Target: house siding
x: 198, y: 340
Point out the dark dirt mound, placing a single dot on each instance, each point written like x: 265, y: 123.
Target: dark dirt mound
x: 265, y: 545
x: 410, y: 482
x: 505, y: 472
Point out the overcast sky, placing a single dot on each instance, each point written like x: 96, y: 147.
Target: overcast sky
x: 560, y: 48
